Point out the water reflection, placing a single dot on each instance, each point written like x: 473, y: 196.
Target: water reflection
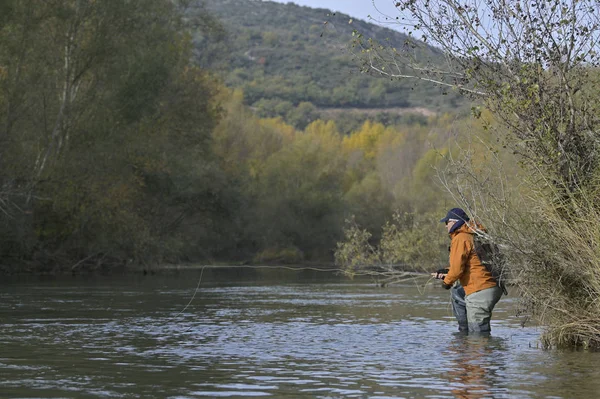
x: 475, y: 365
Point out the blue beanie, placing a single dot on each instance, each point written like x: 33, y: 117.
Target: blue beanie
x: 456, y: 214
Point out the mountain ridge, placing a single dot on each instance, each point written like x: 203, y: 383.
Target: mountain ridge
x: 282, y: 55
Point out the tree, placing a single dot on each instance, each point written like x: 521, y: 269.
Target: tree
x: 300, y: 200
x: 532, y: 63
x: 104, y: 131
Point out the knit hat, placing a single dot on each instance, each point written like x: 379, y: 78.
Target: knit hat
x: 458, y: 215
x: 455, y: 214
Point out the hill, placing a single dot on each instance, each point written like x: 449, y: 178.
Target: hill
x: 283, y: 55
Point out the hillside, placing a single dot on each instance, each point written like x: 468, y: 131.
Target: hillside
x: 282, y: 55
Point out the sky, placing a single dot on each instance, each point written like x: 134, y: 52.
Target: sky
x: 360, y: 9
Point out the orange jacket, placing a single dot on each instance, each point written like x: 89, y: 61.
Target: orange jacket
x: 465, y: 264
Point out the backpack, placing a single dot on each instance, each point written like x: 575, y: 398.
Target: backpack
x: 491, y: 257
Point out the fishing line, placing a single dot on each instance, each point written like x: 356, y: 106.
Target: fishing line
x: 295, y: 269
x: 252, y: 267
x: 195, y: 292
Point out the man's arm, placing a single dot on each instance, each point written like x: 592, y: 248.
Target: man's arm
x: 459, y: 255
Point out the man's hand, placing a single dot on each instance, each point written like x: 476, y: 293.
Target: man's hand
x: 446, y: 286
x: 440, y: 274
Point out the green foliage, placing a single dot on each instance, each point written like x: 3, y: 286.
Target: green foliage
x: 370, y: 202
x: 291, y: 54
x: 413, y: 239
x: 115, y: 149
x: 409, y: 242
x: 355, y: 252
x: 306, y: 201
x: 105, y: 133
x: 298, y: 187
x: 302, y: 115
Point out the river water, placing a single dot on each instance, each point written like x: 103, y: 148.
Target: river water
x: 266, y: 333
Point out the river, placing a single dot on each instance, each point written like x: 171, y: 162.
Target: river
x: 266, y: 333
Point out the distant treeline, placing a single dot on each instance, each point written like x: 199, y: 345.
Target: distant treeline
x: 116, y: 150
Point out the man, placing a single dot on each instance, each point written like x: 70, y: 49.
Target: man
x: 476, y: 291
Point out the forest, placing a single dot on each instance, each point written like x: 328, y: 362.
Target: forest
x: 125, y: 142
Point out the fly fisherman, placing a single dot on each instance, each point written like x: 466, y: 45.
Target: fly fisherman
x: 474, y: 290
